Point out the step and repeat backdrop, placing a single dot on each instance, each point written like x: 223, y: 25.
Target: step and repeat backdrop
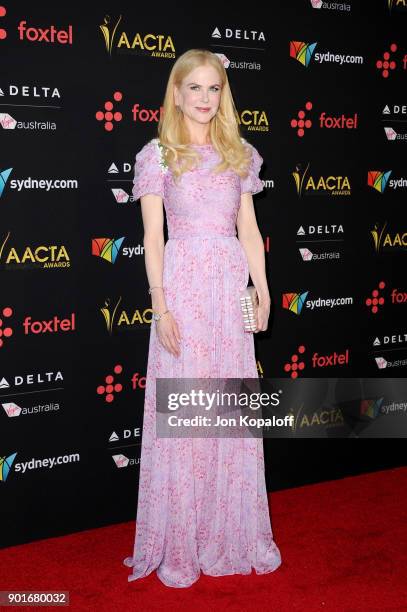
x: 320, y: 88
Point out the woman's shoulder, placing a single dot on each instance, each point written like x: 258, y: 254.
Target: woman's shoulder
x: 152, y: 152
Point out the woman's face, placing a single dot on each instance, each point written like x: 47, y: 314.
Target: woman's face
x: 199, y: 94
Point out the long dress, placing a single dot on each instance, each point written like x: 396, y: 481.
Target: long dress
x: 202, y: 502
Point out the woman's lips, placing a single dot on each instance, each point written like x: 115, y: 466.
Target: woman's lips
x: 203, y: 109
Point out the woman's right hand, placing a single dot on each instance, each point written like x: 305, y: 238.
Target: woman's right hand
x: 168, y: 333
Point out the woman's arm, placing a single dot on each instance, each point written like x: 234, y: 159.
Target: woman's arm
x: 153, y: 220
x: 252, y: 243
x: 153, y: 241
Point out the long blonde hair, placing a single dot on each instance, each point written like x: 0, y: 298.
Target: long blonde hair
x: 224, y: 127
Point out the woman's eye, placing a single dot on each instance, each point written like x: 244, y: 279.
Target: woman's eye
x: 214, y: 88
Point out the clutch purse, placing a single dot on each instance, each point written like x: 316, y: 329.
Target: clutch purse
x: 249, y: 302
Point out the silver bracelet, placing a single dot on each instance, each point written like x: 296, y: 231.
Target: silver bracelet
x: 156, y: 287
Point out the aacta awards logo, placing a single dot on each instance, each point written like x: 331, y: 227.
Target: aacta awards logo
x: 124, y: 320
x: 154, y: 45
x: 311, y: 185
x: 385, y: 240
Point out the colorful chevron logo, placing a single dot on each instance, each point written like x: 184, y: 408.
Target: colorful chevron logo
x: 302, y: 51
x: 378, y: 179
x: 371, y: 408
x: 5, y: 466
x: 294, y: 301
x: 107, y: 248
x: 3, y: 179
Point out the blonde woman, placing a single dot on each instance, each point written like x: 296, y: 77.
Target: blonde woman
x: 202, y: 503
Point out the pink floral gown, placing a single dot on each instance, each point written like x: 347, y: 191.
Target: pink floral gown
x: 202, y: 503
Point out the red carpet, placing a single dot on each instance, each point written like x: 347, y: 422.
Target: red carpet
x: 343, y: 545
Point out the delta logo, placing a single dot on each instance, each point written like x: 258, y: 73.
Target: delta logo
x: 152, y: 45
x: 389, y: 341
x: 121, y: 320
x: 312, y: 233
x: 392, y: 113
x: 254, y: 120
x: 388, y: 241
x: 29, y: 257
x: 30, y: 326
x: 112, y: 384
x: 125, y: 168
x: 303, y: 52
x: 238, y: 34
x: 379, y: 180
x: 110, y: 115
x: 27, y: 380
x: 304, y: 121
x: 297, y: 363
x: 126, y: 435
x: 307, y: 184
x: 294, y: 302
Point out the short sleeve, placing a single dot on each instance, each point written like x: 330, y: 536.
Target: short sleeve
x: 252, y: 183
x: 149, y: 171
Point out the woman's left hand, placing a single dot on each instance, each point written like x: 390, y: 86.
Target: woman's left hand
x: 263, y: 313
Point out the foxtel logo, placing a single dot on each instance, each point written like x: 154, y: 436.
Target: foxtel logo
x: 48, y: 35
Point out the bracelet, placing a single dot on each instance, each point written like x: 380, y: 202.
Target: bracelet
x: 157, y: 316
x: 156, y: 287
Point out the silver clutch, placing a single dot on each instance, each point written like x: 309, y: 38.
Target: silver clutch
x: 249, y: 302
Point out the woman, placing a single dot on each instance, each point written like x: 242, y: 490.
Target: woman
x: 202, y: 503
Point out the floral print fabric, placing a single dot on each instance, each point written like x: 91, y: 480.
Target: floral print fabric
x: 202, y: 503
